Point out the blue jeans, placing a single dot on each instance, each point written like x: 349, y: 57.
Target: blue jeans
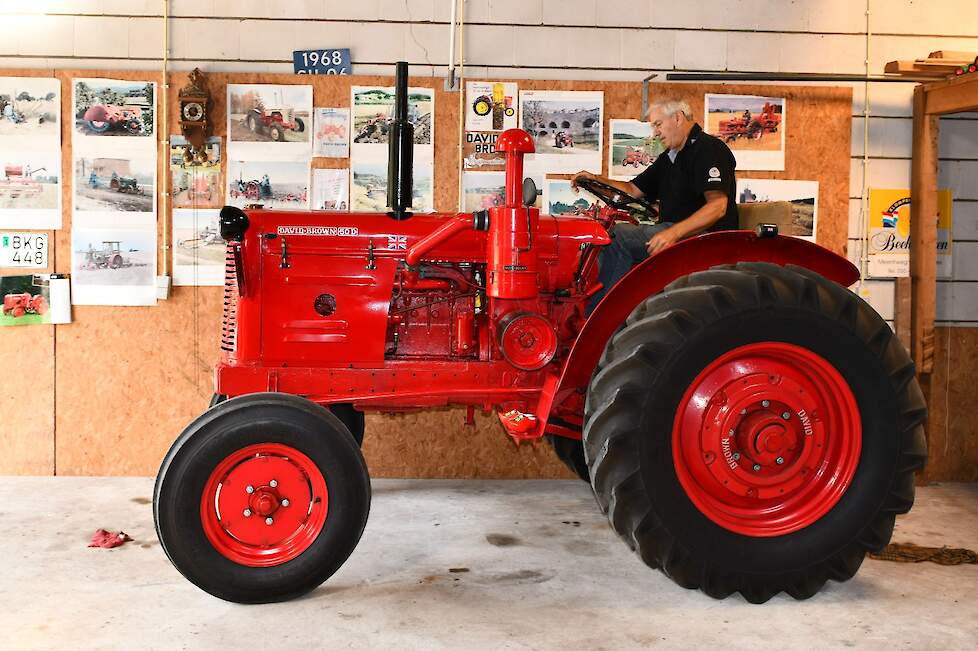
x: 626, y: 250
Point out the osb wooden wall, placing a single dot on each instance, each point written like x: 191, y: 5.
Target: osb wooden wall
x: 108, y: 393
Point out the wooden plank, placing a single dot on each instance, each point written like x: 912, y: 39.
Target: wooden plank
x: 923, y: 233
x: 953, y: 54
x: 912, y: 68
x: 902, y: 311
x: 955, y: 95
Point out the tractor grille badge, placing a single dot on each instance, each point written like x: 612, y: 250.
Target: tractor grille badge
x: 325, y: 304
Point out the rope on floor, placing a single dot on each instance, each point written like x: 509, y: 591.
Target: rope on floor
x: 911, y: 553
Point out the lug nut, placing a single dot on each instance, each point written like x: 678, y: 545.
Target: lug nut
x: 285, y: 502
x: 743, y: 412
x: 765, y: 403
x: 247, y: 513
x: 757, y: 467
x: 249, y: 489
x: 273, y: 483
x: 268, y: 520
x: 786, y: 415
x: 779, y: 460
x: 736, y: 456
x: 731, y: 432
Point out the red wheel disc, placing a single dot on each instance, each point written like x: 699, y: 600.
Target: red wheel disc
x: 264, y: 505
x: 767, y: 439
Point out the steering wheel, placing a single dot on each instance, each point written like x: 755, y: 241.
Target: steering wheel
x: 616, y: 198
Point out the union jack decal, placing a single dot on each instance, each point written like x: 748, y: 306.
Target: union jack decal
x: 397, y: 241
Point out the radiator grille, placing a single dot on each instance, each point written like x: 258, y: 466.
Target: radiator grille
x: 229, y: 326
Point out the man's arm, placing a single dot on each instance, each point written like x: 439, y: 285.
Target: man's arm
x: 624, y: 186
x: 711, y: 212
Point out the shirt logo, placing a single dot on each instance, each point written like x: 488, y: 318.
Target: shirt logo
x: 714, y: 173
x: 397, y: 241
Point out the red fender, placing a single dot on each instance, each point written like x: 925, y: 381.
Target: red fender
x: 654, y: 273
x: 97, y: 113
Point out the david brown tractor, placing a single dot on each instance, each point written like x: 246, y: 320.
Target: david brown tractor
x: 17, y: 305
x: 274, y: 121
x: 747, y: 423
x: 751, y: 126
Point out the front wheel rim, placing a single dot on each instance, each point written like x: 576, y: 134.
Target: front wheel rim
x: 264, y: 505
x: 767, y: 439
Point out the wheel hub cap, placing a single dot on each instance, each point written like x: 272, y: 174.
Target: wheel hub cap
x: 255, y: 527
x: 767, y: 439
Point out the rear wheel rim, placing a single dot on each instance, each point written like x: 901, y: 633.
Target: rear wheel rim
x: 767, y: 439
x: 264, y: 505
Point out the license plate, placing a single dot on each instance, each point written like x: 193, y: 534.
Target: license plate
x: 24, y: 250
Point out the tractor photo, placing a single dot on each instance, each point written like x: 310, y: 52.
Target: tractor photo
x: 17, y: 305
x: 124, y: 184
x: 18, y: 182
x: 100, y: 118
x: 750, y: 126
x: 563, y: 139
x: 748, y: 424
x: 637, y: 156
x: 109, y: 256
x: 273, y: 122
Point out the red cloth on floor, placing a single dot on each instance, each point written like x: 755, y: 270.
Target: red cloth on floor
x: 108, y: 540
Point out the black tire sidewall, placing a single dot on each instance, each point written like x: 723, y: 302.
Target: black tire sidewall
x: 879, y: 454
x: 184, y: 476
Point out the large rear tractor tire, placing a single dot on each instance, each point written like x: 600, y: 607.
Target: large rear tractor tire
x: 754, y: 428
x: 262, y: 498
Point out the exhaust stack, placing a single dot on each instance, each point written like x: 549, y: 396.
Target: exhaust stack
x: 400, y: 170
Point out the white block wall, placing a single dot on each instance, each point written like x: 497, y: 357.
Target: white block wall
x: 563, y: 39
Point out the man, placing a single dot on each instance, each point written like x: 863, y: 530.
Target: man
x: 693, y: 181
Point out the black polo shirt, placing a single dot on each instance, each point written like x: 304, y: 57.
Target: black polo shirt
x: 704, y: 163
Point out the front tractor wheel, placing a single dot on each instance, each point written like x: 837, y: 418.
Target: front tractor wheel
x: 755, y: 429
x: 262, y: 498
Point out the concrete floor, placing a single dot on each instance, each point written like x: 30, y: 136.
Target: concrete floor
x: 545, y: 571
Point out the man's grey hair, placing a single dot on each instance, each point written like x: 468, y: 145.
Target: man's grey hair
x: 671, y: 107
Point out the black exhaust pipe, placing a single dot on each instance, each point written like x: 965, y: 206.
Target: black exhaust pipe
x: 400, y: 169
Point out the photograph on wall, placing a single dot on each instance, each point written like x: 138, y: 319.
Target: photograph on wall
x: 373, y: 112
x: 331, y: 189
x: 29, y: 111
x: 196, y: 183
x: 26, y: 300
x: 198, y: 250
x: 279, y: 185
x: 633, y: 148
x: 559, y: 198
x: 752, y: 126
x: 889, y: 233
x: 269, y: 122
x: 479, y: 151
x: 566, y: 129
x: 113, y: 108
x: 368, y: 185
x: 124, y: 184
x: 30, y: 189
x: 490, y: 105
x: 482, y: 190
x: 792, y: 205
x: 113, y: 259
x: 332, y: 133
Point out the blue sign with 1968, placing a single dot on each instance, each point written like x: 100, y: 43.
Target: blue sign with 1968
x: 321, y: 62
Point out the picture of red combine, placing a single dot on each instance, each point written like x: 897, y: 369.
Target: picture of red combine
x: 746, y: 422
x: 17, y: 305
x: 18, y: 182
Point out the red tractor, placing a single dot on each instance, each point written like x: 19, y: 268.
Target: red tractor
x: 563, y: 139
x: 747, y: 423
x: 751, y: 126
x: 102, y: 117
x: 637, y: 156
x: 273, y: 121
x: 17, y: 305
